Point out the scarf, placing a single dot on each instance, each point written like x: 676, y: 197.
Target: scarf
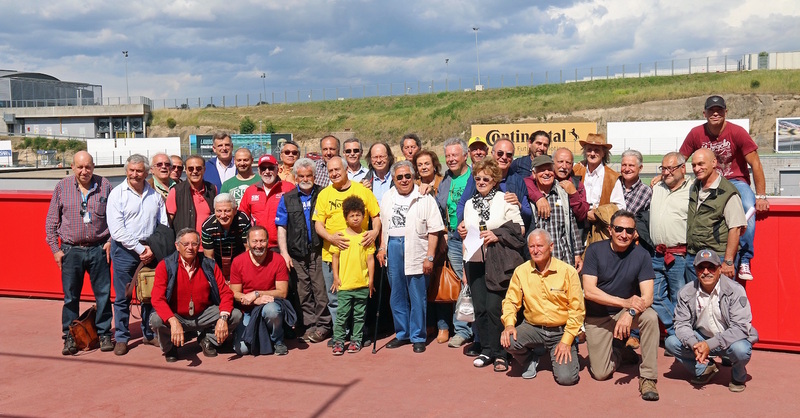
x: 482, y: 204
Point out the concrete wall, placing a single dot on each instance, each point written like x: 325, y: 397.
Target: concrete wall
x: 116, y: 151
x: 773, y: 165
x: 654, y: 137
x: 76, y: 127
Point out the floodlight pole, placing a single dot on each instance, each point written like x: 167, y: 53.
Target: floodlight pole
x: 264, y: 83
x: 446, y: 73
x: 477, y: 58
x: 127, y: 90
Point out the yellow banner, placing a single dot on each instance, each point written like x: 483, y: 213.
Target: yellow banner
x: 564, y: 135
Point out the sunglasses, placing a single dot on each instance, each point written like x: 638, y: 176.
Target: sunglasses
x: 669, y: 169
x: 291, y: 152
x: 83, y: 208
x: 406, y: 176
x: 191, y: 169
x: 268, y: 168
x: 352, y: 151
x: 618, y: 229
x: 483, y: 179
x: 162, y: 165
x: 177, y: 168
x: 501, y: 154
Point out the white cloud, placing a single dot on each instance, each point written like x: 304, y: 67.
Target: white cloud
x: 275, y: 51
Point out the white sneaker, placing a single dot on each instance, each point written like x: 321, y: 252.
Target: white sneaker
x: 744, y: 272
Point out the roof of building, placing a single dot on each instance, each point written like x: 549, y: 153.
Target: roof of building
x: 25, y: 74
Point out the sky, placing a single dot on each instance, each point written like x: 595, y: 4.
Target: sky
x: 181, y: 49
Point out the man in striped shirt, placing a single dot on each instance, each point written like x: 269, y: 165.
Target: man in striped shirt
x: 224, y: 233
x: 77, y: 217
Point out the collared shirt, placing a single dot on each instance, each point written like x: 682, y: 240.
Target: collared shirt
x: 201, y: 208
x: 709, y: 317
x: 65, y: 217
x: 551, y: 298
x: 133, y: 217
x: 161, y: 189
x: 422, y: 218
x: 381, y: 185
x: 668, y: 213
x: 261, y: 206
x: 357, y: 175
x: 282, y: 215
x: 225, y: 171
x: 557, y: 225
x: 321, y: 173
x: 228, y: 243
x: 593, y: 182
x: 638, y: 197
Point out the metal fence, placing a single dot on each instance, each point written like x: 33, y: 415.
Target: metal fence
x: 710, y: 64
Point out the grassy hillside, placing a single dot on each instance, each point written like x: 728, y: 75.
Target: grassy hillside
x: 442, y: 115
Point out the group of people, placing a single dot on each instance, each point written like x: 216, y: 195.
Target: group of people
x: 301, y: 245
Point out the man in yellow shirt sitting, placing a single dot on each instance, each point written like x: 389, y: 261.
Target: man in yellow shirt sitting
x: 550, y: 291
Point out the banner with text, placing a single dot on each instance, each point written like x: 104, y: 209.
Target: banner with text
x: 565, y: 134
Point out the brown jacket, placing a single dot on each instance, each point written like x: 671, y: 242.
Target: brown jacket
x: 609, y: 179
x: 599, y: 229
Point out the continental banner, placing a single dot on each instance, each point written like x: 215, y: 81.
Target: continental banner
x: 562, y: 135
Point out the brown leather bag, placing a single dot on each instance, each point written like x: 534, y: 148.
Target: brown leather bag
x: 445, y: 285
x: 84, y: 331
x: 144, y: 284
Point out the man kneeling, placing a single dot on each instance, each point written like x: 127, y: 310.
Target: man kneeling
x: 190, y: 295
x: 712, y: 318
x: 550, y: 291
x: 260, y: 282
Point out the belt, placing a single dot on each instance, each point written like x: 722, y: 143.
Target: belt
x: 94, y: 244
x: 542, y: 327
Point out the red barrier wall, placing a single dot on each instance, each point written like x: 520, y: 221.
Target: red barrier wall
x: 28, y: 268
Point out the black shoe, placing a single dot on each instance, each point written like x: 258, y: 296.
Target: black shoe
x: 172, y: 355
x: 473, y: 350
x: 69, y: 346
x: 395, y: 343
x: 208, y: 348
x: 281, y: 349
x: 106, y: 344
x: 330, y: 343
x: 419, y: 347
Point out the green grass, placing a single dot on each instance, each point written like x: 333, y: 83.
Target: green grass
x: 438, y: 116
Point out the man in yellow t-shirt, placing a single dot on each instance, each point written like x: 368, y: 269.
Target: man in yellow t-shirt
x: 353, y: 272
x: 329, y: 221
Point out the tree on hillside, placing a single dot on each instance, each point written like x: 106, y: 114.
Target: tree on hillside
x: 247, y: 126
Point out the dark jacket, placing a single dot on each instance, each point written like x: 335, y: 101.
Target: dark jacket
x: 705, y: 225
x: 162, y: 244
x: 504, y: 256
x: 296, y: 230
x: 256, y: 334
x: 185, y: 212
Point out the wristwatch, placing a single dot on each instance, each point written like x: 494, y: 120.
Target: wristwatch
x: 632, y: 312
x: 728, y: 262
x: 224, y: 317
x: 430, y: 258
x: 761, y: 196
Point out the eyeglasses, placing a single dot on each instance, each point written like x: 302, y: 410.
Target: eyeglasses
x: 192, y: 244
x: 291, y: 152
x: 618, y: 229
x: 192, y: 169
x: 268, y: 168
x: 352, y: 151
x: 669, y: 170
x: 501, y: 154
x: 379, y: 157
x: 406, y: 176
x: 177, y: 168
x: 483, y: 179
x: 163, y: 164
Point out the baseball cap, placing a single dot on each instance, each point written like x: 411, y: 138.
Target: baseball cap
x: 267, y: 159
x: 476, y: 140
x: 542, y: 160
x: 707, y: 256
x: 715, y: 101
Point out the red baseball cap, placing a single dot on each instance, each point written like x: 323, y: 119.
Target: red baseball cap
x: 267, y: 159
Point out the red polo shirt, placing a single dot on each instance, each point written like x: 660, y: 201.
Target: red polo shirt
x: 262, y: 207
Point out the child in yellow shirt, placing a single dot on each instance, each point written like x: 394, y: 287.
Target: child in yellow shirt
x: 353, y: 270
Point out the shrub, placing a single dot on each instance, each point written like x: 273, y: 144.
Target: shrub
x: 247, y: 126
x: 754, y: 84
x: 171, y: 123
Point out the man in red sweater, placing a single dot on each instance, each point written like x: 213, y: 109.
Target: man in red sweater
x: 190, y: 294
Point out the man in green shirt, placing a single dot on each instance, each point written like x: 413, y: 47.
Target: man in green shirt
x: 244, y: 177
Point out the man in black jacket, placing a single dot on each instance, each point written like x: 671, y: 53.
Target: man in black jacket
x: 301, y: 247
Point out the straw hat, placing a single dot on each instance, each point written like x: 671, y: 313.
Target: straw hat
x: 596, y: 139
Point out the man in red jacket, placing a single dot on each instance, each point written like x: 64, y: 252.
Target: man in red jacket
x: 190, y: 294
x: 260, y: 200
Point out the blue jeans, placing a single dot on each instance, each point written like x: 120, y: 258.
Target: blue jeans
x: 745, y: 253
x: 738, y: 353
x: 408, y: 296
x: 333, y: 298
x: 125, y: 263
x: 668, y: 281
x: 272, y: 314
x: 76, y: 263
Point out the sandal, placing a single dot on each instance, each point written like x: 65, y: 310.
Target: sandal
x: 500, y: 365
x: 482, y: 361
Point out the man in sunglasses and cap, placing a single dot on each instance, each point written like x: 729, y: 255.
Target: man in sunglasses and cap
x: 260, y: 200
x: 712, y: 318
x: 618, y: 288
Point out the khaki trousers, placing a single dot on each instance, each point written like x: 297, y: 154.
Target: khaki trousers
x: 605, y: 357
